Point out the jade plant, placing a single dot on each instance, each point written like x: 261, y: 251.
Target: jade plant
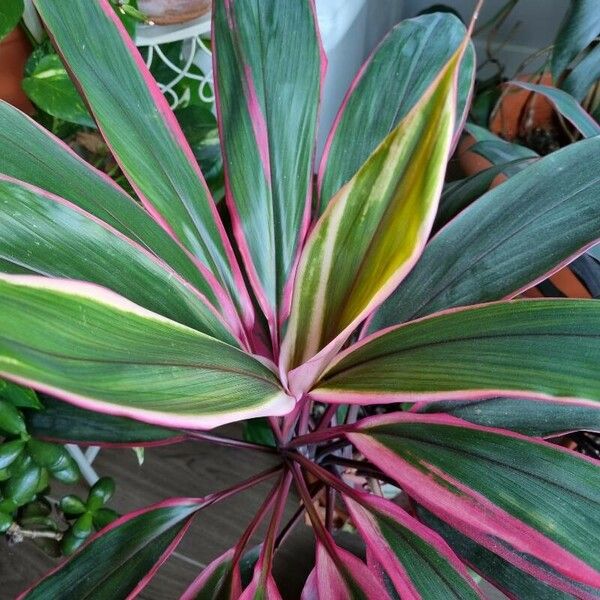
x: 405, y: 383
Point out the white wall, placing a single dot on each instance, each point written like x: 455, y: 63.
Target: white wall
x: 531, y: 26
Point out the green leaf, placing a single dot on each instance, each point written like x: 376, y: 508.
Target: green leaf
x: 54, y: 238
x: 580, y: 26
x: 49, y: 86
x: 529, y: 417
x: 508, y: 240
x: 585, y: 74
x: 19, y: 396
x: 5, y: 522
x: 102, y: 352
x: 390, y: 84
x: 102, y: 491
x: 373, y: 231
x: 259, y: 431
x: 11, y: 12
x: 9, y: 451
x: 533, y: 348
x: 64, y: 422
x: 566, y: 105
x: 83, y: 526
x: 22, y: 486
x: 103, y: 516
x: 457, y: 195
x: 200, y: 129
x: 493, y: 568
x: 11, y: 420
x: 121, y: 560
x: 268, y: 62
x: 144, y: 136
x: 533, y: 503
x: 40, y: 159
x: 72, y: 505
x: 411, y: 555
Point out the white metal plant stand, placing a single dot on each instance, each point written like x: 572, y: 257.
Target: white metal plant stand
x: 196, y: 52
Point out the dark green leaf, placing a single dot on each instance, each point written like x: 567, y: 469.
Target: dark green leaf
x: 11, y: 420
x: 9, y: 451
x: 530, y: 417
x: 10, y: 15
x: 21, y: 487
x: 492, y: 567
x: 101, y: 492
x: 580, y: 26
x: 113, y: 564
x: 512, y: 236
x: 64, y: 422
x: 395, y: 78
x: 18, y: 395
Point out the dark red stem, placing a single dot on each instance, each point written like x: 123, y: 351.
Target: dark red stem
x: 230, y: 442
x: 320, y: 436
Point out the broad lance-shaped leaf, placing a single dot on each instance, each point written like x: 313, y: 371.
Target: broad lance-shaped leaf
x: 219, y: 580
x: 142, y: 132
x: 52, y: 237
x: 417, y: 561
x: 579, y: 28
x: 522, y: 348
x: 537, y: 418
x: 388, y: 86
x: 268, y: 64
x: 215, y: 581
x: 585, y: 74
x: 120, y: 560
x: 544, y: 517
x: 500, y: 573
x: 566, y: 105
x: 510, y: 239
x: 89, y: 346
x: 62, y: 422
x: 457, y: 195
x: 372, y: 232
x: 39, y: 158
x: 341, y: 577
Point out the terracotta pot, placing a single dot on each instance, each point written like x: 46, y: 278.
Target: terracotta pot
x: 519, y: 111
x: 14, y: 52
x: 169, y: 12
x: 472, y: 163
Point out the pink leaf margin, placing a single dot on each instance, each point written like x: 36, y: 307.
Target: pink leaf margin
x: 473, y: 514
x: 368, y: 398
x: 383, y: 553
x: 172, y: 502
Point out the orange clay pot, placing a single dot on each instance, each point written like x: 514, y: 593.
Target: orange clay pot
x: 14, y: 52
x: 520, y: 110
x: 472, y: 163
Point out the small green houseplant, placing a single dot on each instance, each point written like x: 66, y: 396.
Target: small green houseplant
x: 311, y: 300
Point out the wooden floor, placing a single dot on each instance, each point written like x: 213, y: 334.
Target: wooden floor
x: 189, y: 469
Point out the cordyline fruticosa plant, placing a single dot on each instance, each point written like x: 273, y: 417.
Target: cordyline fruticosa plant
x: 315, y: 300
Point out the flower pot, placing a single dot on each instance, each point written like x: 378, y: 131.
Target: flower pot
x: 14, y: 52
x: 170, y: 12
x: 472, y: 163
x: 524, y: 115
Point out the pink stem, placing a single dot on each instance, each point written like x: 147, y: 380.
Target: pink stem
x: 320, y: 436
x: 256, y: 521
x: 242, y: 486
